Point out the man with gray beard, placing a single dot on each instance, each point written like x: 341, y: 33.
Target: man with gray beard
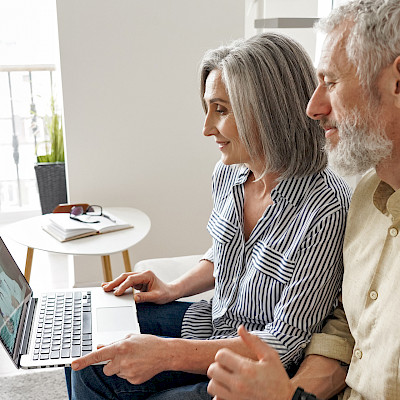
x: 357, y: 103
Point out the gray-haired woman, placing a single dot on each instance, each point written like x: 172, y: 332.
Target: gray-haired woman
x: 277, y: 226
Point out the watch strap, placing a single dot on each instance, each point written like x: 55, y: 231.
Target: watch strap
x: 300, y: 394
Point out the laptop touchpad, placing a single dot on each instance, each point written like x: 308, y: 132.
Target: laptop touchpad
x: 111, y: 319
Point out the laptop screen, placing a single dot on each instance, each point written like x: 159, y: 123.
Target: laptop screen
x: 14, y: 293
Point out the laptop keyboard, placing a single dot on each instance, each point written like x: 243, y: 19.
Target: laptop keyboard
x: 65, y: 326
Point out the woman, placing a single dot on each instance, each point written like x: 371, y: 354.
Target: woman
x: 277, y: 226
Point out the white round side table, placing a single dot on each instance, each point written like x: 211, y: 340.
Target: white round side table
x: 29, y: 232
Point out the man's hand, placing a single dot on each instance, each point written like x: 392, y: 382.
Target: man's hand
x: 151, y: 288
x: 136, y: 358
x: 321, y: 375
x: 234, y: 377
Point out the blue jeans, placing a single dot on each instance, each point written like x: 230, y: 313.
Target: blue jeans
x: 161, y: 320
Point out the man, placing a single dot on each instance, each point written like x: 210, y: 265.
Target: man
x: 358, y: 104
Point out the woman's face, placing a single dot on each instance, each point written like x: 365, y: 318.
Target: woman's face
x: 220, y: 121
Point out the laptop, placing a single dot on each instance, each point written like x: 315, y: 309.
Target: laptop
x: 55, y: 328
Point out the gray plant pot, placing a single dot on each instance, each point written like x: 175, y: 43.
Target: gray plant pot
x: 51, y: 184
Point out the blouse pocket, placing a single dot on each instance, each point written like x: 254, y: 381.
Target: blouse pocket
x: 272, y: 263
x: 220, y: 228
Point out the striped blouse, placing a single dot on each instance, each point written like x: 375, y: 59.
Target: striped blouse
x: 284, y: 280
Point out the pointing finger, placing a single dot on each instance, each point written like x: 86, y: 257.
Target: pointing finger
x: 104, y: 354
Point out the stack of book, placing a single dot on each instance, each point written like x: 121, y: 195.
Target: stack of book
x: 64, y: 228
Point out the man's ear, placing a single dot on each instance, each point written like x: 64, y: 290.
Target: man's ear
x: 396, y: 66
x: 396, y: 82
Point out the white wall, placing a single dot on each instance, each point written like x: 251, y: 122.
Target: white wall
x: 292, y: 9
x: 308, y: 37
x: 133, y: 117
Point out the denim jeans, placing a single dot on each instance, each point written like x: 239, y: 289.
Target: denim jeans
x: 161, y: 320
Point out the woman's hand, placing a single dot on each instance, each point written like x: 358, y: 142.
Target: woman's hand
x: 151, y: 288
x: 234, y: 377
x: 137, y: 358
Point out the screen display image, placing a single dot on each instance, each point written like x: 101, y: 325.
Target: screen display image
x: 13, y: 291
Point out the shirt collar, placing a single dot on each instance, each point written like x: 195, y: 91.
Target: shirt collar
x: 243, y: 174
x: 387, y: 200
x: 291, y: 189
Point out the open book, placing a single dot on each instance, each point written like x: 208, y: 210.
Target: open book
x: 63, y: 228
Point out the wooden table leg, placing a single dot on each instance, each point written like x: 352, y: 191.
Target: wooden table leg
x: 28, y: 264
x: 107, y: 274
x: 127, y: 261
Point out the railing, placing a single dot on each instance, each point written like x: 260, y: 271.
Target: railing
x: 25, y: 96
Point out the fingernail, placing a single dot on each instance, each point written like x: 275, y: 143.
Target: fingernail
x: 137, y: 298
x: 75, y: 365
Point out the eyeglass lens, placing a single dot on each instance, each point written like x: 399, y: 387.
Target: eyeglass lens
x: 94, y: 210
x: 76, y: 211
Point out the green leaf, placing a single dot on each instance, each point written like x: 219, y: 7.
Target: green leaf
x: 55, y: 143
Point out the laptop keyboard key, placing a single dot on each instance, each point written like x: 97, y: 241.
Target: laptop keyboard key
x: 55, y: 354
x: 65, y: 353
x: 87, y: 323
x: 76, y: 351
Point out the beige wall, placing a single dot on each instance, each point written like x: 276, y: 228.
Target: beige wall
x: 133, y: 118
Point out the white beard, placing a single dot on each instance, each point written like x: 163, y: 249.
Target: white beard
x: 362, y: 144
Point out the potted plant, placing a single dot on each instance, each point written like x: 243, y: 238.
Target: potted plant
x: 50, y: 166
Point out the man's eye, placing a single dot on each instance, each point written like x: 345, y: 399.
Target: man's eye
x: 330, y: 85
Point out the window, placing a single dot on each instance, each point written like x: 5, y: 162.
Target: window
x: 28, y: 81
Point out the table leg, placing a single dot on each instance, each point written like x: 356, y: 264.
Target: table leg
x: 28, y: 264
x: 127, y: 261
x: 107, y: 274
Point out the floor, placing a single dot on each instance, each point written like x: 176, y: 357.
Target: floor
x: 49, y: 271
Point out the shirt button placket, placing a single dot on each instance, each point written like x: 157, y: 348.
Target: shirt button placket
x: 373, y: 294
x: 358, y: 354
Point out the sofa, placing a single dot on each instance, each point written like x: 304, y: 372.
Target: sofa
x: 168, y: 269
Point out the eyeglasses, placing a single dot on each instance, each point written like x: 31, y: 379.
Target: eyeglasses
x: 90, y: 211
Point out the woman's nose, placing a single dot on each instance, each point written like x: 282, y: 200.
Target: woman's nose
x: 209, y: 128
x: 319, y: 105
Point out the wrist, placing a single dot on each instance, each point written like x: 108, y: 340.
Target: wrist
x: 175, y: 290
x: 291, y: 390
x: 172, y: 351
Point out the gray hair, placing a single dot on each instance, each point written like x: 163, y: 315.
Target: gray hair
x: 269, y: 79
x: 373, y: 40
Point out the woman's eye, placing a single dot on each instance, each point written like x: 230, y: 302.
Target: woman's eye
x: 220, y: 110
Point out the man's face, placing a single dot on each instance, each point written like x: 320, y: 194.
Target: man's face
x: 356, y: 140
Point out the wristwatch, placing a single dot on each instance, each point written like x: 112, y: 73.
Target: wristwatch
x: 300, y: 394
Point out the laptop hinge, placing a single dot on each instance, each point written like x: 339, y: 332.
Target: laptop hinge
x: 28, y: 325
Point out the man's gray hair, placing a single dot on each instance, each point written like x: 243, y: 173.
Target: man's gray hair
x: 269, y: 79
x: 374, y: 35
